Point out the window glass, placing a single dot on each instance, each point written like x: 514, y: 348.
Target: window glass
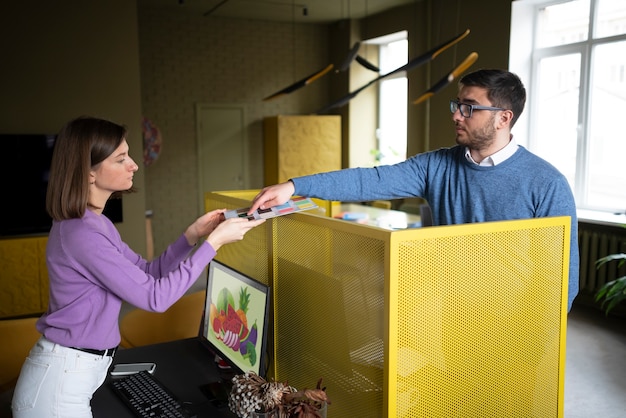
x: 577, y: 94
x: 393, y: 55
x: 611, y: 18
x: 393, y: 99
x: 556, y: 112
x: 393, y: 120
x: 606, y: 150
x: 563, y: 23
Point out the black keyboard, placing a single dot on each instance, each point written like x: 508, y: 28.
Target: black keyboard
x: 147, y: 397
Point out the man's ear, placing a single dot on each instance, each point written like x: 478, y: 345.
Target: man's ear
x: 506, y: 116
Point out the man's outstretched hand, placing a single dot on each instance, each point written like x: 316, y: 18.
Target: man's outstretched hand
x: 272, y: 196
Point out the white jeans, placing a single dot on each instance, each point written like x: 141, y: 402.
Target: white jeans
x: 58, y: 382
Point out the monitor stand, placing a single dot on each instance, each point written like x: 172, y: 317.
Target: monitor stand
x: 217, y: 392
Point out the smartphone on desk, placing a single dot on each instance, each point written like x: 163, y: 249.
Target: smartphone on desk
x: 125, y: 369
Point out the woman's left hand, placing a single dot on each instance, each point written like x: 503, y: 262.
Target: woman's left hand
x: 204, y: 225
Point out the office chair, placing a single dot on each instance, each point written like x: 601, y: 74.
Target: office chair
x: 18, y: 336
x: 181, y: 320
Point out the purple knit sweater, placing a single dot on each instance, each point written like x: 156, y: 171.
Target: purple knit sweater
x: 91, y: 271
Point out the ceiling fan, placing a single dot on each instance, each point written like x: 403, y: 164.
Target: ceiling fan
x: 414, y: 63
x: 351, y: 57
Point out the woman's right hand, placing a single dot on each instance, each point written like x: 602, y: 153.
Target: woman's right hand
x: 231, y: 230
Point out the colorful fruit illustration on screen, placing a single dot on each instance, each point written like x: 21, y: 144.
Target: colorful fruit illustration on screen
x: 244, y: 300
x: 230, y: 323
x: 247, y: 346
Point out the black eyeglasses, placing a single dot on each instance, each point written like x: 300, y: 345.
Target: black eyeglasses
x: 467, y: 109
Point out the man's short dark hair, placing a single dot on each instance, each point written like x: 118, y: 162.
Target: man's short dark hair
x: 504, y: 89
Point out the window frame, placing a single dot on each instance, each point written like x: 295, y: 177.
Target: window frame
x: 524, y: 60
x: 381, y: 44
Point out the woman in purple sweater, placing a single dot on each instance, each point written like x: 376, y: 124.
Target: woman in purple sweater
x: 91, y: 270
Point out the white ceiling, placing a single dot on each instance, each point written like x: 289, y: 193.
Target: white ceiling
x: 300, y: 11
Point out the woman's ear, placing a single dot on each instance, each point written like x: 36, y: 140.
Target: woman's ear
x: 92, y: 177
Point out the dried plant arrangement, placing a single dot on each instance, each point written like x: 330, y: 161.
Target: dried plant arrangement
x: 251, y: 393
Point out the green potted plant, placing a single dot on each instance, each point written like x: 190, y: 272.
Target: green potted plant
x: 613, y: 292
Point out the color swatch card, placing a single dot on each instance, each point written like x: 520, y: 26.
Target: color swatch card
x: 297, y: 204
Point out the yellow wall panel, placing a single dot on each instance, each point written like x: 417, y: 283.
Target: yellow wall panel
x: 23, y: 276
x: 300, y: 145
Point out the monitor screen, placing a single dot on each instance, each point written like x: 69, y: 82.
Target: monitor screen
x: 236, y: 318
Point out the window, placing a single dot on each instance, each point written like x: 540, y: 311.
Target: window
x: 576, y: 65
x: 391, y: 134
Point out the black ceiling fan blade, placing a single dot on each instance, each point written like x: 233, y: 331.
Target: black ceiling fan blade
x: 422, y: 59
x: 429, y: 55
x: 300, y: 83
x: 345, y: 99
x: 349, y: 58
x: 214, y: 8
x: 448, y: 78
x: 365, y: 63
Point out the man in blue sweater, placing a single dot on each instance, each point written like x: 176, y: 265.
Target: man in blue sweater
x: 486, y: 177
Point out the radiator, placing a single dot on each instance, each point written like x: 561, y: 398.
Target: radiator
x: 597, y: 241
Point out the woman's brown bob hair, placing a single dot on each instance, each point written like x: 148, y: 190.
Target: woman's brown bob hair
x: 80, y: 146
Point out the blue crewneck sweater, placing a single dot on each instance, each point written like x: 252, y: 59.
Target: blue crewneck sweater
x: 458, y: 191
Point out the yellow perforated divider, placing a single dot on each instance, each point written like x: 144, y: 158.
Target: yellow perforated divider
x: 477, y: 320
x: 464, y: 320
x: 251, y: 256
x: 329, y: 311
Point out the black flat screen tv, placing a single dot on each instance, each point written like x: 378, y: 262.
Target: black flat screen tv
x: 24, y: 171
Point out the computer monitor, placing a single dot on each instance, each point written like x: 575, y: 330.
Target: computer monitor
x: 236, y: 318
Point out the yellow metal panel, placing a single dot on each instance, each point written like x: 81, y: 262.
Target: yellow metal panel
x: 329, y: 310
x: 477, y: 320
x: 463, y: 320
x: 251, y: 256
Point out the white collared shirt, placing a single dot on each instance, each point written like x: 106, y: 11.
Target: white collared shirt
x: 496, y: 158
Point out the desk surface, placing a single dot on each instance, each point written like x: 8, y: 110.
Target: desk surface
x: 382, y: 218
x: 183, y: 366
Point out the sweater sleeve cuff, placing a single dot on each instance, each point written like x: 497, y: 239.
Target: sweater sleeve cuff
x: 208, y: 248
x: 182, y: 245
x: 297, y: 186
